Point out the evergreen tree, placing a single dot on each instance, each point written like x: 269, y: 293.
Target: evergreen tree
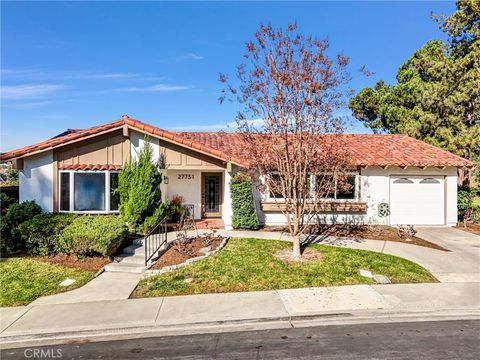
x: 437, y: 95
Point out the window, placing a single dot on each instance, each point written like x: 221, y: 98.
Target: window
x: 88, y: 191
x: 65, y: 191
x: 276, y: 193
x: 339, y: 188
x: 114, y: 198
x: 346, y: 187
x: 403, y: 181
x: 325, y: 186
x: 429, y: 181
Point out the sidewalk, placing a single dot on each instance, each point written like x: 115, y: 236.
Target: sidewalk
x: 55, y: 323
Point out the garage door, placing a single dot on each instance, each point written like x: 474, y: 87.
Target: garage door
x: 417, y: 200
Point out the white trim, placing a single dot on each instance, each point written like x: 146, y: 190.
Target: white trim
x: 72, y: 191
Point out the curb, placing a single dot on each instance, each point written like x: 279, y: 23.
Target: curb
x: 295, y: 321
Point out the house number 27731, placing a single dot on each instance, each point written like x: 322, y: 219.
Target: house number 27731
x: 186, y: 176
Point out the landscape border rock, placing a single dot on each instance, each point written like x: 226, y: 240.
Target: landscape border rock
x: 166, y: 269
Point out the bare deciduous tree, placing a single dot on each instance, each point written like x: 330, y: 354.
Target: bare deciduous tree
x: 294, y: 86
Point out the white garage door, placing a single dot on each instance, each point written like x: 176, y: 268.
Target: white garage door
x: 417, y: 200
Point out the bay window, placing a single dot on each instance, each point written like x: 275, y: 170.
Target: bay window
x: 88, y: 191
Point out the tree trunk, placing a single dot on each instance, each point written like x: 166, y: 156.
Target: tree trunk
x: 296, y: 255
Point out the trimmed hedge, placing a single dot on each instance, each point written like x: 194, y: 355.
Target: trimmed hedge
x: 40, y: 234
x: 16, y: 214
x: 92, y: 235
x: 244, y: 214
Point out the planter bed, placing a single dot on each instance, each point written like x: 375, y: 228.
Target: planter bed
x: 471, y: 228
x: 370, y: 232
x: 183, y: 252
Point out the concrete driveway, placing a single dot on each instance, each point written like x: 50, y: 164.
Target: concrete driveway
x: 462, y: 263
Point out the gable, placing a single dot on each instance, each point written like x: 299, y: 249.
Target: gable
x: 107, y: 149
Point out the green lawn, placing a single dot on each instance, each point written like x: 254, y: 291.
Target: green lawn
x: 23, y: 280
x: 248, y: 265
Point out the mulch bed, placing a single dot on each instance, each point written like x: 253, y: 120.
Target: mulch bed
x: 308, y: 255
x: 181, y: 251
x: 472, y: 228
x: 92, y: 264
x: 370, y: 232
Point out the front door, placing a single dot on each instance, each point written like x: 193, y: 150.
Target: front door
x: 211, y: 195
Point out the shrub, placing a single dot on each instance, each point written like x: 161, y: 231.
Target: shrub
x: 16, y: 214
x: 153, y: 220
x: 139, y: 188
x: 465, y: 201
x: 89, y: 235
x: 5, y: 202
x: 40, y: 234
x: 244, y: 214
x: 175, y: 207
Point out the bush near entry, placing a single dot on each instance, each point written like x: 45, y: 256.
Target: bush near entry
x: 16, y: 215
x: 89, y: 235
x: 40, y: 234
x: 244, y: 214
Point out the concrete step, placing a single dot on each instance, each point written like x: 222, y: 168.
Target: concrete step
x: 125, y: 267
x: 130, y: 259
x: 138, y: 241
x: 134, y: 249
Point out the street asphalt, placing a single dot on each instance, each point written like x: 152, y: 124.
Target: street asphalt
x: 459, y: 339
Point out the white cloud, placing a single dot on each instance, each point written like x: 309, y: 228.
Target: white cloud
x: 156, y: 88
x: 37, y: 74
x: 193, y: 56
x: 18, y: 92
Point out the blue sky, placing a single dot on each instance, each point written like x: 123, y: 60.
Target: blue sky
x: 75, y: 65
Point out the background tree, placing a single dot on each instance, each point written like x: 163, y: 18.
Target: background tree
x: 437, y: 95
x: 139, y: 189
x: 294, y: 86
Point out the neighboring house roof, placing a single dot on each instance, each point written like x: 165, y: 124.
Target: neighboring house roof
x: 364, y: 150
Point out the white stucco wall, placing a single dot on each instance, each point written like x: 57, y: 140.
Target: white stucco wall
x: 375, y: 189
x: 137, y: 141
x: 227, y: 201
x: 36, y: 180
x: 190, y: 189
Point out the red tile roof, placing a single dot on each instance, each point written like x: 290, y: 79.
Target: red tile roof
x: 365, y: 150
x: 99, y: 167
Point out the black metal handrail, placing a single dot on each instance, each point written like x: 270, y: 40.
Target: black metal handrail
x: 155, y: 239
